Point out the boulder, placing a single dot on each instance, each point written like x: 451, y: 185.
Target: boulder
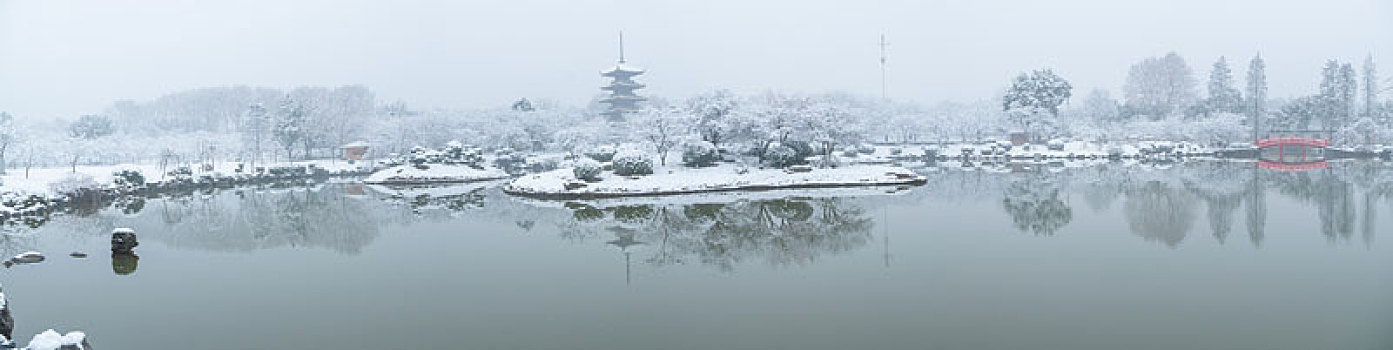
x: 123, y: 241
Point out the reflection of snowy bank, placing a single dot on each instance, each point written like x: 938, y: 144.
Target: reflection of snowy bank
x: 433, y: 173
x: 563, y: 183
x: 728, y: 197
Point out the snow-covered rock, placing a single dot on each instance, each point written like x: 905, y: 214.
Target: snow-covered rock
x: 29, y: 257
x: 433, y: 173
x: 51, y: 340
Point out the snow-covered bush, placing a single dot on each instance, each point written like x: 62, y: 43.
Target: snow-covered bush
x: 865, y: 148
x: 631, y: 163
x: 512, y: 163
x: 700, y: 154
x: 586, y: 169
x: 850, y: 151
x: 74, y: 183
x: 780, y: 156
x: 601, y: 154
x: 128, y: 178
x: 826, y: 161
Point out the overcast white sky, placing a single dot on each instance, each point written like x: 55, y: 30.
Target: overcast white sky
x: 69, y: 57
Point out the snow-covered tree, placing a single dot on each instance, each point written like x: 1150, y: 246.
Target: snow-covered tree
x: 255, y: 123
x: 1159, y: 86
x: 663, y: 129
x: 1100, y: 107
x: 290, y: 125
x: 1223, y: 97
x: 84, y: 132
x: 1371, y: 88
x: 1337, y: 92
x: 1032, y: 102
x: 1256, y: 106
x: 8, y: 136
x: 1299, y: 113
x: 712, y: 111
x: 90, y: 127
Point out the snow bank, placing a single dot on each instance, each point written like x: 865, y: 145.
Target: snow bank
x: 562, y: 183
x: 434, y: 173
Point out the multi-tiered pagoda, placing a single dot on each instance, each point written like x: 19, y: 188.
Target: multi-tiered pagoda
x: 622, y: 99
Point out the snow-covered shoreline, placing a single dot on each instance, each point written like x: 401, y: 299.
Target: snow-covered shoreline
x: 433, y: 174
x: 562, y: 184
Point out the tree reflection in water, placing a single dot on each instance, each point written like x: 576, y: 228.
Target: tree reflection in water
x: 1034, y: 205
x: 780, y: 232
x: 1157, y: 212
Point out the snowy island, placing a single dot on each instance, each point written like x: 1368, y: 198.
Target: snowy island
x: 433, y: 174
x: 563, y: 184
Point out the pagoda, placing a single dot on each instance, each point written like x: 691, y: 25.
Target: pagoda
x: 621, y: 99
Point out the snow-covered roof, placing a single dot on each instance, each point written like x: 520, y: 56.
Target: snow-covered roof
x: 627, y: 69
x: 355, y: 144
x: 628, y: 84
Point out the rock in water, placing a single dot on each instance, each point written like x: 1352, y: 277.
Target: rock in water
x: 25, y: 258
x: 123, y: 241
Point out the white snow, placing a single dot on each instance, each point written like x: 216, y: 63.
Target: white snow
x: 434, y: 173
x: 123, y: 230
x: 51, y: 340
x: 712, y: 179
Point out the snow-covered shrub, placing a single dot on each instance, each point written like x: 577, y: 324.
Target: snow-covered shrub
x: 850, y: 152
x: 700, y: 154
x: 826, y: 161
x: 780, y: 156
x: 865, y: 148
x: 631, y: 163
x: 458, y: 153
x: 511, y: 163
x: 802, y: 150
x: 586, y: 169
x: 896, y: 151
x: 1055, y: 145
x: 601, y: 154
x: 74, y: 183
x: 128, y: 178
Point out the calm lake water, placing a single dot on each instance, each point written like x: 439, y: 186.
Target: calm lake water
x: 1196, y: 255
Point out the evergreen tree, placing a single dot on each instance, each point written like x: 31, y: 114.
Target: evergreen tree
x: 1257, y: 93
x: 1338, y: 88
x: 1349, y: 92
x: 1370, y: 87
x: 1223, y: 97
x: 289, y: 126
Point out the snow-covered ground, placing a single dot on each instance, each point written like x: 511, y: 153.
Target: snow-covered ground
x: 434, y: 173
x: 40, y: 180
x: 676, y: 180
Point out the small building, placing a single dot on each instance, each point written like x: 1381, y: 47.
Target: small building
x: 1019, y: 137
x: 355, y: 150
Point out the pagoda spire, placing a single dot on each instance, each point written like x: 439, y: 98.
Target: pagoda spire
x: 621, y: 47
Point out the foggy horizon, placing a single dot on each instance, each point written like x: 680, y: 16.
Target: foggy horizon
x: 67, y: 58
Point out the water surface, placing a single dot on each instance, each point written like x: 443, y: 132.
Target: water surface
x: 1192, y: 255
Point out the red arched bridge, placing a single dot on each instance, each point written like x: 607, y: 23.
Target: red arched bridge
x: 1293, y: 141
x: 1293, y: 151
